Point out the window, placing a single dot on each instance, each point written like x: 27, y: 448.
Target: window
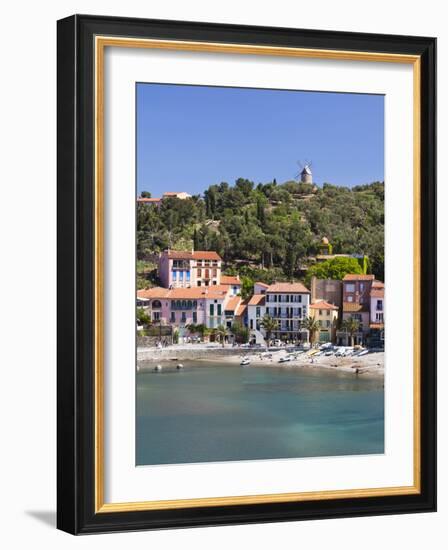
x: 328, y: 312
x: 174, y: 275
x: 195, y: 317
x: 188, y: 276
x: 156, y: 304
x: 361, y: 287
x: 349, y: 298
x: 320, y: 312
x: 219, y: 308
x: 379, y: 317
x: 215, y: 272
x: 379, y: 305
x: 156, y: 315
x: 212, y: 310
x: 199, y: 272
x: 199, y: 283
x: 207, y: 274
x: 184, y: 317
x: 257, y: 311
x: 349, y: 287
x: 214, y: 282
x: 173, y: 317
x: 300, y: 298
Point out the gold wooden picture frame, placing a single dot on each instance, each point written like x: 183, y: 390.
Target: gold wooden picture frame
x: 82, y: 41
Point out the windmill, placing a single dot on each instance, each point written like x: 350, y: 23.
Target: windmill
x: 305, y: 175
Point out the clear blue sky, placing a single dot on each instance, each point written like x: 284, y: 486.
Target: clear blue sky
x: 189, y: 137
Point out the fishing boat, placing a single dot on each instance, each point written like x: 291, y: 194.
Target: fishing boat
x: 245, y: 361
x: 158, y: 368
x: 363, y: 352
x: 180, y: 366
x: 285, y: 359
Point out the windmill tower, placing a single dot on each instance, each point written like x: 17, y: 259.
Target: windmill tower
x: 306, y: 176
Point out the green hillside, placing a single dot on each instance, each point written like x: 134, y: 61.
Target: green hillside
x: 268, y: 230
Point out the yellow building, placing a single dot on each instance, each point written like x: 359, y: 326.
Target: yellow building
x: 327, y: 315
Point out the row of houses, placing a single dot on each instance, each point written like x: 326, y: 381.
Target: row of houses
x: 195, y: 292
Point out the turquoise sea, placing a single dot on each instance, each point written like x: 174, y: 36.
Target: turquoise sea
x: 221, y: 412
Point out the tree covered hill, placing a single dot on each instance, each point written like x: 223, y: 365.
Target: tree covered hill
x: 269, y: 227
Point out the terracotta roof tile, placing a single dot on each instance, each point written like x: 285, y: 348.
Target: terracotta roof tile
x: 230, y: 280
x: 262, y: 284
x: 355, y: 277
x: 377, y: 325
x: 323, y: 305
x: 257, y: 300
x: 147, y: 200
x: 241, y: 310
x: 189, y: 255
x: 206, y: 255
x: 288, y: 288
x: 233, y: 303
x: 155, y: 292
x: 377, y: 293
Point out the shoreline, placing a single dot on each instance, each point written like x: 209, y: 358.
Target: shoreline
x: 371, y: 365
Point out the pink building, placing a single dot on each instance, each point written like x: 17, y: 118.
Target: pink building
x: 185, y: 269
x: 180, y: 307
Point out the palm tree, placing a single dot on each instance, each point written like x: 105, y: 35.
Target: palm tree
x: 312, y: 326
x: 351, y: 326
x: 220, y: 333
x: 270, y: 325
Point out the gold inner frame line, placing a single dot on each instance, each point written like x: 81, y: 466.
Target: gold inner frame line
x: 101, y: 42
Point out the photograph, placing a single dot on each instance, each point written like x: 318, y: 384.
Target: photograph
x: 260, y: 274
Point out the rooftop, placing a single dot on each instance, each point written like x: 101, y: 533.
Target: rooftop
x: 356, y: 277
x: 230, y: 280
x: 377, y: 292
x: 233, y: 303
x: 155, y: 292
x: 323, y: 305
x: 192, y: 255
x: 288, y: 288
x: 257, y: 300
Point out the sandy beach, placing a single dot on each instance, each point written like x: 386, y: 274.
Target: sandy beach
x: 371, y: 364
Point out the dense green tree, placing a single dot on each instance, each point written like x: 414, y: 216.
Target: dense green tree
x: 145, y: 195
x: 336, y: 268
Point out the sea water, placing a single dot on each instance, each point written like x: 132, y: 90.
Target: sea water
x: 221, y: 412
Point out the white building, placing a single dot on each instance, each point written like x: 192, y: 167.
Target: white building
x: 288, y: 303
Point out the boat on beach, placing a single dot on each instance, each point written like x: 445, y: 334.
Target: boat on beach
x: 245, y: 361
x: 285, y: 359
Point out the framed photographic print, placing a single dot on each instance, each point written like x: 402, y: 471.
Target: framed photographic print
x: 246, y: 267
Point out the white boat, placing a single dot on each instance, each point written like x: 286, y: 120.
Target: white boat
x: 285, y: 359
x: 180, y: 366
x: 158, y: 368
x: 363, y: 352
x: 245, y: 361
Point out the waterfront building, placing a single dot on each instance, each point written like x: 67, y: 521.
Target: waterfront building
x: 288, y: 304
x: 327, y: 315
x: 376, y: 337
x: 180, y: 307
x: 356, y: 305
